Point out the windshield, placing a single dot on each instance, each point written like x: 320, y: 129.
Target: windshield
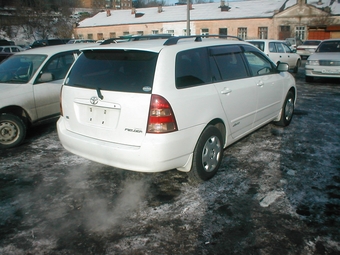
x: 331, y: 46
x: 114, y: 70
x: 20, y: 68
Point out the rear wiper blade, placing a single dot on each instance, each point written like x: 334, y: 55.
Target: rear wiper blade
x: 99, y: 93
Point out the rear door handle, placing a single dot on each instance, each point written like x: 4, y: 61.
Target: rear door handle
x: 260, y: 84
x: 226, y: 91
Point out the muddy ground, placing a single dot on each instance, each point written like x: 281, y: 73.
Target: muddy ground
x: 277, y: 192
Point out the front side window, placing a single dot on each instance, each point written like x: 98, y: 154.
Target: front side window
x: 279, y: 47
x: 58, y: 66
x: 20, y: 68
x: 286, y: 48
x: 229, y: 62
x: 114, y: 70
x: 258, y: 64
x: 191, y: 68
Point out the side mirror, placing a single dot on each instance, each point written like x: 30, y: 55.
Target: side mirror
x: 282, y: 67
x: 46, y: 77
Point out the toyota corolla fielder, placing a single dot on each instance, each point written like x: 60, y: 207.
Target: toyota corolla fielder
x: 173, y: 103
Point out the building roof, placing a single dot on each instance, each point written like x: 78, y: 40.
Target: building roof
x: 207, y: 11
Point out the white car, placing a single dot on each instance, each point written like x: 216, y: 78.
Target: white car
x: 307, y: 48
x: 325, y: 61
x: 30, y: 83
x: 156, y: 105
x: 278, y: 51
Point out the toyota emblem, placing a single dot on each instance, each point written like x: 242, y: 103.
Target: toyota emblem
x: 94, y: 100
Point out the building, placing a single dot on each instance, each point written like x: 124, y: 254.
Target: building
x: 266, y: 19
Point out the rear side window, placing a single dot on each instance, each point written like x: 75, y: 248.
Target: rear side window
x: 192, y: 68
x: 114, y: 70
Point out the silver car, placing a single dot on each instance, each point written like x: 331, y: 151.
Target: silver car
x: 325, y: 62
x: 30, y: 83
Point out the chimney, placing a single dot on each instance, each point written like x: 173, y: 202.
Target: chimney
x: 133, y: 10
x: 160, y: 9
x: 108, y: 13
x: 224, y: 8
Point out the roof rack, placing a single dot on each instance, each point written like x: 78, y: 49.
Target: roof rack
x: 127, y: 38
x: 198, y: 38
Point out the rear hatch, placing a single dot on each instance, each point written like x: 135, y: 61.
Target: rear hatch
x: 107, y: 95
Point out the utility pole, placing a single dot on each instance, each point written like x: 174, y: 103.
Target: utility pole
x: 188, y: 17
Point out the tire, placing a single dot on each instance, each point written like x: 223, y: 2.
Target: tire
x: 309, y: 78
x: 296, y: 68
x: 12, y: 131
x: 207, y: 156
x: 287, y: 110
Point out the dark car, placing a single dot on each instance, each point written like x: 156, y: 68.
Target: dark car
x: 4, y: 42
x: 48, y: 42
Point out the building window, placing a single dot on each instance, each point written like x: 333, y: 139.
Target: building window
x: 89, y: 36
x: 242, y: 33
x: 300, y: 32
x: 185, y: 32
x: 80, y: 36
x: 140, y: 33
x: 223, y: 31
x: 126, y: 33
x: 113, y: 35
x: 205, y: 31
x: 285, y: 28
x: 263, y: 33
x: 172, y: 32
x: 100, y: 36
x: 154, y: 32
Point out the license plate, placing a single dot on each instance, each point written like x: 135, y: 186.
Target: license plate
x: 102, y: 116
x: 330, y: 71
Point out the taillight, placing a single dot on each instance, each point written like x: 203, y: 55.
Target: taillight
x: 61, y: 106
x: 161, y: 117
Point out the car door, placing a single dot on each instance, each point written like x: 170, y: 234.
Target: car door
x: 291, y: 57
x: 49, y: 81
x: 277, y: 52
x: 269, y: 86
x: 237, y: 91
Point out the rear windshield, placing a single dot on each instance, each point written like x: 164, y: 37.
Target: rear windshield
x: 114, y: 70
x: 311, y: 43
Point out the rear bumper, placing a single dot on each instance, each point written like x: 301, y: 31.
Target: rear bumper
x: 159, y: 152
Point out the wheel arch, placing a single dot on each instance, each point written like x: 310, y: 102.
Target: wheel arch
x: 219, y: 124
x: 18, y: 111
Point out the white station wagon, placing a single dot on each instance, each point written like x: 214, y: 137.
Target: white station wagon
x: 157, y: 105
x: 279, y: 51
x: 30, y: 83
